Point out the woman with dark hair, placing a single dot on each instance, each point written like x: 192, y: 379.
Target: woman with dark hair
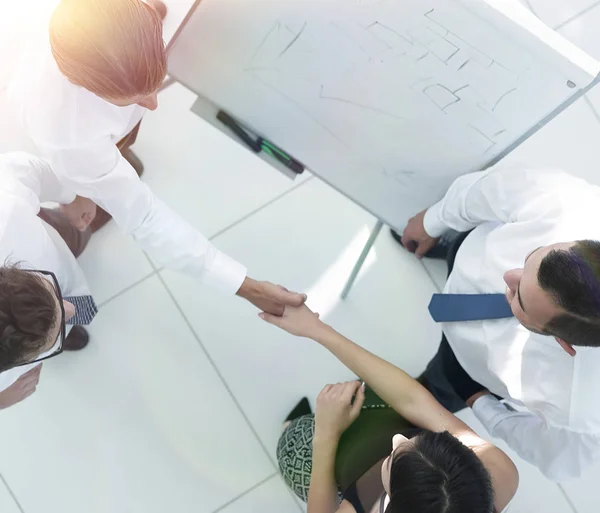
x: 339, y: 459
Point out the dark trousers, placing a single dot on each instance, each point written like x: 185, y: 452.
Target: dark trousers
x: 75, y: 240
x: 444, y: 377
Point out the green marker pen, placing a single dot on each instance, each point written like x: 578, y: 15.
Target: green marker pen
x: 282, y: 157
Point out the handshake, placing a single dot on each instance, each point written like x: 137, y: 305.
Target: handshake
x: 282, y: 308
x: 286, y: 309
x: 279, y: 306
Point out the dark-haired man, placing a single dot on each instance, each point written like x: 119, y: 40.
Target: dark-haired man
x: 42, y: 288
x: 520, y: 311
x: 43, y: 241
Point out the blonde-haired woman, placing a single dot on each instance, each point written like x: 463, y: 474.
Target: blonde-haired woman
x: 81, y: 94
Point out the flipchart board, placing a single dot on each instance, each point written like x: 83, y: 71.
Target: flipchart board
x: 387, y: 101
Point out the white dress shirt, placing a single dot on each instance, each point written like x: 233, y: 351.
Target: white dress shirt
x: 77, y: 132
x: 26, y: 240
x: 514, y: 211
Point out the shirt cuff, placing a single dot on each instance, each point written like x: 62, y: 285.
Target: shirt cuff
x: 490, y: 411
x: 225, y: 274
x: 432, y: 223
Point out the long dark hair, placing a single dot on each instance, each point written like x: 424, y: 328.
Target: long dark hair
x: 439, y: 474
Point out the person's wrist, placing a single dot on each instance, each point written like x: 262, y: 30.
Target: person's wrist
x: 249, y: 288
x: 322, y: 331
x: 317, y: 331
x: 326, y: 436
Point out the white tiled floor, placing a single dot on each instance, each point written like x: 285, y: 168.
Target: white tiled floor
x: 312, y: 252
x: 113, y: 262
x: 140, y: 421
x: 270, y: 496
x: 555, y: 13
x: 7, y: 502
x: 176, y: 404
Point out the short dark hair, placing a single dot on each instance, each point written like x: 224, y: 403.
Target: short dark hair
x: 572, y: 278
x: 28, y: 314
x: 439, y: 474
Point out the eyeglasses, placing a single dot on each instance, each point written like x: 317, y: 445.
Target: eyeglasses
x: 61, y: 336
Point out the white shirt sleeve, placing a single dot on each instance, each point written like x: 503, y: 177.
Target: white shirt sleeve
x: 31, y: 180
x: 100, y: 173
x: 558, y: 452
x: 502, y: 194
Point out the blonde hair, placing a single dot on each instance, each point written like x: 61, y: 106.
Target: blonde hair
x: 113, y: 48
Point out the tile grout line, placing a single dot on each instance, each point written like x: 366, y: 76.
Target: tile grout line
x: 262, y: 207
x: 428, y: 273
x: 156, y: 272
x: 530, y: 7
x: 12, y: 494
x: 240, y: 220
x: 567, y: 498
x: 150, y: 261
x: 127, y: 289
x: 216, y: 369
x: 246, y: 492
x: 589, y: 8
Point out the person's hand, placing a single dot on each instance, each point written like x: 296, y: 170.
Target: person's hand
x: 335, y: 410
x: 415, y: 239
x: 80, y: 212
x: 268, y: 297
x: 297, y: 320
x: 471, y: 400
x: 21, y: 389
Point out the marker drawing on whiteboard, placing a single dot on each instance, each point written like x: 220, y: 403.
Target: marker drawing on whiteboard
x: 502, y: 97
x: 322, y: 96
x: 441, y: 96
x: 293, y: 40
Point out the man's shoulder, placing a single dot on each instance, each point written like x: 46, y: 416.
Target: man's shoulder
x: 54, y: 111
x: 551, y: 179
x: 19, y: 160
x: 16, y: 166
x: 17, y: 198
x: 584, y: 413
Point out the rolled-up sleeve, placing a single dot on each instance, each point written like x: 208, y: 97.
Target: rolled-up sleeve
x: 559, y: 453
x: 500, y: 194
x: 99, y: 172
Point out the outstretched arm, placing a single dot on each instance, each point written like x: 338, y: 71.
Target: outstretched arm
x: 403, y: 393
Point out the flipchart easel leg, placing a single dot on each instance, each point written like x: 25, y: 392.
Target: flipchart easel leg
x: 362, y: 258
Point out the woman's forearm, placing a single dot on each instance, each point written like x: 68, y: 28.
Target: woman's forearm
x: 322, y: 494
x: 389, y: 382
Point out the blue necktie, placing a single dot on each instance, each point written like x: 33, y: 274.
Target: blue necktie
x: 85, y: 310
x: 468, y: 307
